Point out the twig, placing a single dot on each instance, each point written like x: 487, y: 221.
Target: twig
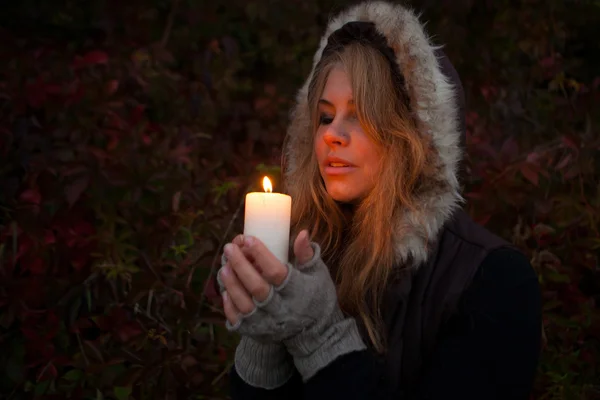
x: 132, y: 355
x: 41, y: 374
x: 216, y: 258
x: 544, y: 149
x: 149, y: 305
x: 87, y: 361
x: 85, y: 283
x: 137, y: 310
x: 222, y: 374
x: 158, y: 277
x: 169, y: 26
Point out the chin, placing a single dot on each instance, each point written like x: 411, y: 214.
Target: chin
x: 341, y: 195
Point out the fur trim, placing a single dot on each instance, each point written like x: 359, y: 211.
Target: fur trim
x: 433, y: 101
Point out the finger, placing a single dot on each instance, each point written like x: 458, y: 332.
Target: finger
x: 231, y: 312
x: 236, y: 291
x: 246, y: 252
x: 273, y: 270
x: 238, y: 240
x: 249, y: 277
x: 220, y: 280
x: 302, y: 248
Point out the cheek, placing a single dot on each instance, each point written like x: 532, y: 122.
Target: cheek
x: 319, y: 146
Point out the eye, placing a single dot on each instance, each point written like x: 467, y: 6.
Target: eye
x: 325, y: 119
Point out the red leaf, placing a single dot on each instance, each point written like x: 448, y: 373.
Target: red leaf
x: 510, y: 148
x: 210, y: 289
x: 484, y: 220
x: 31, y: 196
x: 488, y: 150
x: 222, y: 354
x: 30, y: 333
x: 572, y: 172
x: 75, y: 189
x: 474, y: 195
x: 570, y: 142
x: 36, y: 93
x: 136, y: 114
x: 128, y: 331
x: 530, y: 174
x: 54, y: 89
x: 533, y: 157
x: 112, y: 143
x: 80, y: 258
x: 564, y: 162
x: 100, y: 154
x: 32, y: 291
x: 76, y: 93
x: 547, y: 62
x: 180, y: 154
x: 25, y: 245
x: 471, y: 118
x: 35, y: 265
x: 112, y: 86
x: 94, y: 57
x: 49, y: 237
x: 47, y: 372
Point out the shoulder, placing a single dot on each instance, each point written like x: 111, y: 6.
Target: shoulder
x: 505, y: 285
x: 495, y: 266
x: 461, y: 227
x: 505, y: 267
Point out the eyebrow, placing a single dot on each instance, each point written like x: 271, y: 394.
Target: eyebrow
x: 328, y: 103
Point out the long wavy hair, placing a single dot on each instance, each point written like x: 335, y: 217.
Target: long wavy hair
x: 358, y: 246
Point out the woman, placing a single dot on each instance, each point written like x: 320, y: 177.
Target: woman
x: 397, y: 294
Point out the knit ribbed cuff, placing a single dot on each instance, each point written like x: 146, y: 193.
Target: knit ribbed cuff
x: 263, y: 365
x: 313, y: 350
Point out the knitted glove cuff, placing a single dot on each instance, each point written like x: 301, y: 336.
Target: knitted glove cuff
x: 263, y: 365
x: 316, y: 348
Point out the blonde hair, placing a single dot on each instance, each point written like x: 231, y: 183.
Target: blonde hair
x: 360, y: 249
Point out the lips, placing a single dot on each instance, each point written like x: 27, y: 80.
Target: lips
x: 337, y: 162
x: 337, y: 166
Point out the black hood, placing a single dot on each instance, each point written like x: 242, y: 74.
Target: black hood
x: 429, y: 84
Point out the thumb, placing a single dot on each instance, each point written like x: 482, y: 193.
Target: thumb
x: 302, y: 248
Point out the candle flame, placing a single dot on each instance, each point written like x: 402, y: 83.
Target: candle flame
x: 267, y: 185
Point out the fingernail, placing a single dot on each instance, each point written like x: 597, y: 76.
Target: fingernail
x: 224, y: 294
x: 228, y: 249
x: 248, y: 240
x: 225, y: 271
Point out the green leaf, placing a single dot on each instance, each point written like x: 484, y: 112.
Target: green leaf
x: 15, y: 369
x: 269, y: 169
x: 73, y: 375
x: 88, y: 296
x: 122, y: 392
x: 41, y: 387
x: 557, y: 277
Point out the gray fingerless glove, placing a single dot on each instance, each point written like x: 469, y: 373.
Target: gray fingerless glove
x: 303, y: 312
x: 265, y: 364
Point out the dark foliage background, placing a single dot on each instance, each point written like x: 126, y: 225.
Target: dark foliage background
x: 129, y: 132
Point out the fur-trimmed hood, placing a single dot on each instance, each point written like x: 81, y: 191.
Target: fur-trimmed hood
x: 437, y: 103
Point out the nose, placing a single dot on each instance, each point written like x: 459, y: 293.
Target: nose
x: 335, y: 135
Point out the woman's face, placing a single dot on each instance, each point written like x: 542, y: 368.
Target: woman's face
x: 348, y: 159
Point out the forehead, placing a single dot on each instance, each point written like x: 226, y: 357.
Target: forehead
x: 337, y: 87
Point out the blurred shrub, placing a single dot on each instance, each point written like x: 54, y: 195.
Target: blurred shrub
x: 129, y: 133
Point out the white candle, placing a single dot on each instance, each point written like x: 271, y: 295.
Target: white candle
x: 267, y: 217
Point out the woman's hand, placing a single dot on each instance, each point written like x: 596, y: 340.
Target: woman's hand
x: 296, y: 306
x: 251, y: 270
